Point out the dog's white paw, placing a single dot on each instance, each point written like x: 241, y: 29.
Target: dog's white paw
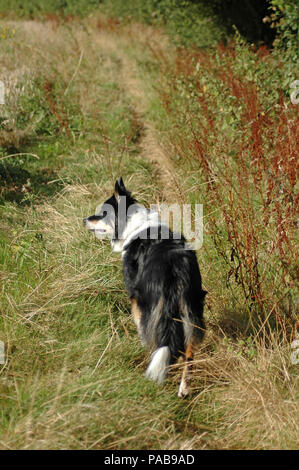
x: 183, y: 390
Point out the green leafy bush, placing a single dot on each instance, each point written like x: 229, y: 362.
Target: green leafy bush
x: 285, y: 18
x: 186, y: 21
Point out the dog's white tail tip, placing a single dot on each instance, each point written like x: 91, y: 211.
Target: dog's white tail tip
x: 157, y: 368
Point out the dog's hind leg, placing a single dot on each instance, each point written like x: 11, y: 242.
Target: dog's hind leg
x: 136, y: 312
x: 188, y: 357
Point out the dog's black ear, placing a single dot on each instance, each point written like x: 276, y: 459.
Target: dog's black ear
x: 121, y: 190
x: 122, y: 184
x: 120, y: 187
x: 116, y: 187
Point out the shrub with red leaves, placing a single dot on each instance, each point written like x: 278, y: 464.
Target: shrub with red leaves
x: 233, y: 128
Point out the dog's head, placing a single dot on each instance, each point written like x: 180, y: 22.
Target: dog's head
x: 110, y: 218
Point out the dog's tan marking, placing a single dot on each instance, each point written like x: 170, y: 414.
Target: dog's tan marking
x: 136, y: 312
x: 188, y: 357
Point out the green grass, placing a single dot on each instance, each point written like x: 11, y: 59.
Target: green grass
x: 40, y: 8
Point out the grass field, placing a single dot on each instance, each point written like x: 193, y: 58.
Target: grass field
x: 86, y: 101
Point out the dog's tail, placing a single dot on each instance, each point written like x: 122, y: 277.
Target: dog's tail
x: 164, y: 331
x: 172, y: 325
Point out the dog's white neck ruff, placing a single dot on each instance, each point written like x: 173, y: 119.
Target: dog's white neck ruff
x: 141, y: 220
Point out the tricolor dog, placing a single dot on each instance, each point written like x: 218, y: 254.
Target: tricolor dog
x: 162, y: 278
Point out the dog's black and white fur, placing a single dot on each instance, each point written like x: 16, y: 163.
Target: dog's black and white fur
x: 162, y: 278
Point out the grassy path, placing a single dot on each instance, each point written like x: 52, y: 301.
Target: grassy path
x: 82, y: 112
x: 74, y: 371
x: 128, y: 48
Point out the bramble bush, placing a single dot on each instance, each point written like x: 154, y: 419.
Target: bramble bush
x: 285, y: 18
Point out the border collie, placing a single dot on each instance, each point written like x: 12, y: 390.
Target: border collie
x: 162, y: 278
